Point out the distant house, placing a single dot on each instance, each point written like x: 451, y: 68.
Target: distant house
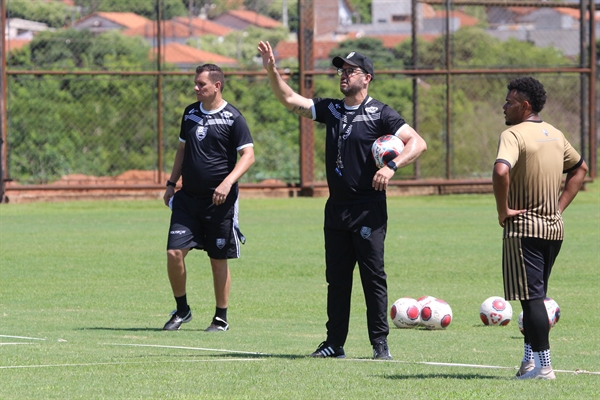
x: 242, y: 19
x: 177, y: 30
x: 100, y: 22
x: 17, y: 28
x: 555, y: 27
x: 331, y: 16
x: 188, y: 58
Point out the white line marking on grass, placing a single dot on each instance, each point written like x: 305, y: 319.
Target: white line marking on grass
x: 7, y: 343
x: 21, y: 337
x: 185, y: 348
x: 125, y: 362
x: 576, y: 372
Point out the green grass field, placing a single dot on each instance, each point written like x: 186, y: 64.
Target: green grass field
x: 84, y: 295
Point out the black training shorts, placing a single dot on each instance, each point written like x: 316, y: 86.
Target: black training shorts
x: 199, y: 224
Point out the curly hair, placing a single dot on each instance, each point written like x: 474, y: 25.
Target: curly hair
x: 531, y: 89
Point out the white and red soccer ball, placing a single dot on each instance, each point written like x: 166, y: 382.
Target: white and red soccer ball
x: 385, y: 149
x: 495, y: 311
x: 436, y: 314
x: 552, y: 309
x: 406, y: 313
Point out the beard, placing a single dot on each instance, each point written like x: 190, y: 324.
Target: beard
x: 351, y: 90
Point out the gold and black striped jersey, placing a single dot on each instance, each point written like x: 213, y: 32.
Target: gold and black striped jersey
x: 538, y: 154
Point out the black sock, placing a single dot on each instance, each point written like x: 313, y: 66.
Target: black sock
x: 221, y: 313
x: 535, y: 322
x: 182, y: 306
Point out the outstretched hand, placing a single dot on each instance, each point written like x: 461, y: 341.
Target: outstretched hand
x: 266, y: 52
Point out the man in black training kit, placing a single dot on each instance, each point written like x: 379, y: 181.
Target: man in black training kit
x: 532, y: 158
x: 356, y: 211
x: 205, y: 211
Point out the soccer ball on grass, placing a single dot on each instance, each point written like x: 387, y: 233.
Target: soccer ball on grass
x: 436, y: 314
x: 495, y: 311
x: 406, y: 313
x: 552, y: 309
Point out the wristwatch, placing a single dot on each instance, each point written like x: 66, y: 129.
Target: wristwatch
x: 169, y: 183
x: 392, y: 165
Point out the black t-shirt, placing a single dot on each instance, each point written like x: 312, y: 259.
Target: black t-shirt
x: 212, y: 141
x: 369, y: 121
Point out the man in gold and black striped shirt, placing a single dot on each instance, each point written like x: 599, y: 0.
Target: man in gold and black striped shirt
x: 532, y: 158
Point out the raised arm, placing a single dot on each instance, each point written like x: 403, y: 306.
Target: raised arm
x: 285, y: 94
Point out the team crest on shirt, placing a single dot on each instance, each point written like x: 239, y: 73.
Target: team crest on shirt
x: 220, y: 243
x: 365, y: 232
x: 545, y: 132
x: 371, y: 110
x: 201, y: 132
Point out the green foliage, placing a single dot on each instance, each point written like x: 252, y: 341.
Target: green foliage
x: 54, y: 14
x: 240, y: 45
x: 70, y: 48
x: 371, y: 47
x: 473, y: 47
x: 275, y: 11
x: 146, y: 8
x: 363, y: 8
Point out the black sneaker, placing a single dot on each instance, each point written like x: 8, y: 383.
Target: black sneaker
x: 329, y: 350
x: 175, y: 322
x: 381, y: 350
x: 217, y: 325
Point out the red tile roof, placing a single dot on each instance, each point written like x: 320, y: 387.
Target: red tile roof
x: 573, y: 12
x: 465, y: 19
x: 392, y: 40
x: 255, y: 18
x: 177, y: 53
x: 179, y: 28
x: 126, y: 19
x: 204, y: 26
x: 14, y: 44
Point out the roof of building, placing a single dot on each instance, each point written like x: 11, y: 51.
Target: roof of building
x: 14, y: 44
x: 392, y: 40
x: 255, y: 18
x: 179, y: 28
x: 205, y: 26
x: 465, y: 19
x: 125, y: 19
x: 177, y: 53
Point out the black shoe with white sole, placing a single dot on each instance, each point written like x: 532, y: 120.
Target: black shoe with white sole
x: 175, y: 322
x: 329, y: 350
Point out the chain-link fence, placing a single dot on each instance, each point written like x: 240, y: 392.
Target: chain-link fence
x: 85, y: 95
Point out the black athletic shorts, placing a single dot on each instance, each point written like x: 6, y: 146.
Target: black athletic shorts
x: 526, y: 266
x: 196, y: 223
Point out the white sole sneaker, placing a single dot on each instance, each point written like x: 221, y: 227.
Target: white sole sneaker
x: 539, y: 373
